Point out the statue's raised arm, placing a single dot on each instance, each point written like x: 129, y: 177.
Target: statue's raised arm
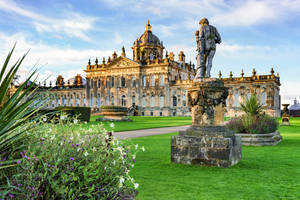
x: 206, y: 38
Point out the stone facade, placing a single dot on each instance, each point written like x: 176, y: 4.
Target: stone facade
x: 155, y: 82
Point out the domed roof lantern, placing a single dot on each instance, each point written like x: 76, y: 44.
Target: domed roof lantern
x: 148, y: 26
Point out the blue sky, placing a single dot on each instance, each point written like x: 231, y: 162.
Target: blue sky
x: 63, y: 35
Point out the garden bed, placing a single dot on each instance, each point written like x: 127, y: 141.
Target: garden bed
x: 269, y: 139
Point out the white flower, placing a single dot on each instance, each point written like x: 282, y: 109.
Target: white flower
x: 122, y: 180
x: 71, y: 138
x: 105, y: 168
x: 133, y: 157
x: 78, y: 149
x: 62, y: 117
x: 143, y: 148
x: 52, y: 137
x: 136, y: 146
x: 90, y: 130
x: 44, y: 119
x: 132, y: 165
x: 94, y: 149
x: 85, y: 122
x: 75, y: 121
x: 86, y: 154
x: 112, y: 125
x: 117, y: 142
x: 136, y: 185
x: 114, y: 162
x: 78, y: 134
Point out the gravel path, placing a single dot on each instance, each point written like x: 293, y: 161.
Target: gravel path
x: 148, y: 132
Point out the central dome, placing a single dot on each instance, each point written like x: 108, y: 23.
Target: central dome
x: 148, y: 36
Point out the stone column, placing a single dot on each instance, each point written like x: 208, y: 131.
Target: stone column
x: 207, y: 141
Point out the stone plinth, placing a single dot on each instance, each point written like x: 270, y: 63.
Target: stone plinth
x: 207, y: 141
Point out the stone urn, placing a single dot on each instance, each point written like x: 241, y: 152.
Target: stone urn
x: 114, y: 112
x: 207, y: 141
x: 285, y: 118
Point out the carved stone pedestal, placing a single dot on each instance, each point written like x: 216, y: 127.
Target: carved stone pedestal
x: 207, y: 141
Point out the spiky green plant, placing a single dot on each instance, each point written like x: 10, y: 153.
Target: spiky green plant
x: 252, y: 107
x: 16, y: 109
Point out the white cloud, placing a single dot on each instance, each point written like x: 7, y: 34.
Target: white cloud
x: 219, y: 12
x: 248, y: 13
x: 52, y: 60
x: 74, y: 25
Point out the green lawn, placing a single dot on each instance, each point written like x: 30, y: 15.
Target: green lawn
x: 263, y: 173
x: 139, y: 122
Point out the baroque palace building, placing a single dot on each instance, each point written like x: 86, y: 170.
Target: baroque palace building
x: 152, y: 83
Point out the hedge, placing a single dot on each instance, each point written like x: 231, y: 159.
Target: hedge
x: 82, y: 113
x: 115, y: 108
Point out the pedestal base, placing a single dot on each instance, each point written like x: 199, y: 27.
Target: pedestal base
x: 206, y: 145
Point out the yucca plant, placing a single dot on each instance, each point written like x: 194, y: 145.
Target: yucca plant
x: 16, y: 109
x: 252, y: 107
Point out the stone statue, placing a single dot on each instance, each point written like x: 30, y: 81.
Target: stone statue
x: 206, y: 40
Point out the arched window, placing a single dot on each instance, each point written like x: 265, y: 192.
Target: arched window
x: 151, y: 56
x: 143, y: 101
x: 144, y: 81
x: 133, y: 81
x: 106, y: 100
x: 174, y: 100
x: 77, y: 100
x: 152, y: 81
x: 99, y: 83
x: 263, y: 98
x: 123, y: 100
x: 65, y: 100
x: 71, y: 100
x: 236, y: 99
x: 92, y: 83
x: 184, y: 100
x: 161, y: 80
x: 91, y: 101
x: 152, y: 101
x: 112, y: 100
x: 133, y: 99
x: 84, y: 101
x: 161, y: 101
x: 112, y: 82
x: 122, y: 81
x: 98, y: 100
x: 107, y: 82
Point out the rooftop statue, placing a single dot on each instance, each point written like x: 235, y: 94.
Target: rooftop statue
x: 206, y: 39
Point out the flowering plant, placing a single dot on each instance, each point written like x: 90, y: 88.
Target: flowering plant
x: 67, y: 161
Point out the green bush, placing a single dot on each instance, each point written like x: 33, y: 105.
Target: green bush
x: 67, y: 162
x: 247, y: 124
x: 81, y: 113
x: 115, y: 108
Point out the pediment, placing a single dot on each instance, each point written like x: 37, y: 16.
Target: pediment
x: 122, y: 62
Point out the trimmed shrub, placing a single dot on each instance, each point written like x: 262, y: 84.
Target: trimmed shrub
x: 81, y: 113
x: 115, y: 108
x: 248, y: 124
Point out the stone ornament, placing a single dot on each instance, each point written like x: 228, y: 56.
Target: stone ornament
x: 207, y: 100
